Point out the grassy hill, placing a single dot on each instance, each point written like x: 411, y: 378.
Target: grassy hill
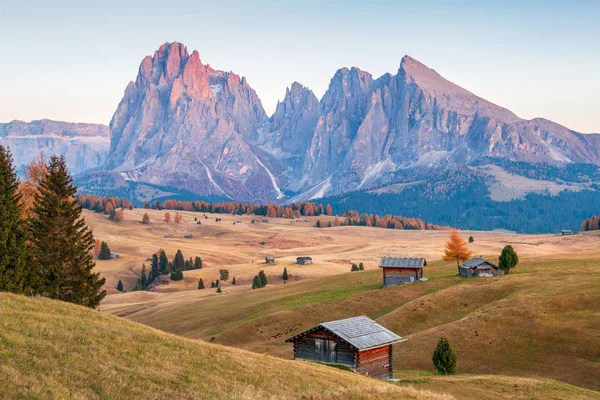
x: 50, y: 349
x: 540, y: 321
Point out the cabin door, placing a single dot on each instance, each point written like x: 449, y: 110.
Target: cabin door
x: 325, y: 350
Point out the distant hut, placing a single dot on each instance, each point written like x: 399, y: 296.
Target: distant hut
x: 188, y: 236
x: 303, y: 260
x: 170, y: 235
x: 115, y: 255
x: 254, y: 221
x: 566, y: 232
x: 358, y: 343
x: 401, y: 270
x: 265, y: 220
x: 479, y: 267
x: 270, y: 260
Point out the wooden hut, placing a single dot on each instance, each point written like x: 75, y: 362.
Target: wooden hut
x: 358, y: 343
x: 270, y: 260
x: 479, y: 267
x: 303, y: 260
x: 401, y: 270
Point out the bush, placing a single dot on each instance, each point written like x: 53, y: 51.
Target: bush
x: 444, y: 358
x: 471, y: 240
x: 508, y: 259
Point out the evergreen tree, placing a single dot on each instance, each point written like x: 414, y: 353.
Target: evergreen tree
x: 197, y: 263
x: 61, y: 242
x: 219, y: 290
x: 189, y: 264
x: 256, y: 284
x: 318, y: 225
x: 15, y: 272
x: 361, y: 267
x: 354, y: 267
x: 163, y: 262
x: 285, y: 274
x: 178, y: 262
x: 155, y: 268
x: 212, y: 284
x: 144, y: 278
x: 104, y: 252
x: 233, y: 282
x: 120, y: 286
x: 200, y: 284
x: 508, y: 259
x: 444, y: 358
x: 217, y: 283
x: 263, y: 278
x: 471, y: 240
x: 177, y: 275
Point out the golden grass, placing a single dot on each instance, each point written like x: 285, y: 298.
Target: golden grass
x: 50, y: 349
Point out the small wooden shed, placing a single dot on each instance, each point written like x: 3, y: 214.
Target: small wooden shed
x: 270, y: 260
x: 303, y: 260
x: 188, y: 236
x: 398, y: 270
x: 358, y: 343
x: 478, y: 266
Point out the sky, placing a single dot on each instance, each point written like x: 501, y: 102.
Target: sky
x: 71, y: 60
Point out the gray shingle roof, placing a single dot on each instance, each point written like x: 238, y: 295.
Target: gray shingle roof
x: 477, y: 262
x: 361, y: 332
x: 397, y: 262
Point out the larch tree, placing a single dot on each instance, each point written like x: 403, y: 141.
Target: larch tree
x: 145, y: 219
x: 328, y: 210
x: 456, y: 249
x: 61, y: 242
x: 178, y: 218
x: 163, y: 261
x: 15, y: 272
x: 168, y: 217
x: 34, y: 172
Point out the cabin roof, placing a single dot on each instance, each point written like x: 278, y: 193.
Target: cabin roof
x: 478, y: 262
x: 303, y: 258
x: 270, y: 258
x: 398, y: 262
x: 361, y: 332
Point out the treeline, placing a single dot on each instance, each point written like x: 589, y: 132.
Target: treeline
x: 45, y: 244
x: 103, y: 204
x: 352, y: 218
x: 590, y: 224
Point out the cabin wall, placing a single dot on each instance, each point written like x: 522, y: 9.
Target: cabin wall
x: 376, y: 362
x: 340, y: 352
x: 397, y: 276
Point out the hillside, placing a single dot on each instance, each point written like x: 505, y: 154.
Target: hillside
x: 50, y: 349
x: 539, y: 321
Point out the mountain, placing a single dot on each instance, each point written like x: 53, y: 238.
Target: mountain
x: 185, y: 125
x: 84, y: 146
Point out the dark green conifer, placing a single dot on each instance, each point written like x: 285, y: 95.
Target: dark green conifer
x: 15, y: 271
x: 104, y: 252
x: 144, y: 278
x: 285, y: 275
x: 197, y: 263
x: 233, y: 282
x: 61, y: 242
x: 263, y: 278
x: 178, y: 262
x: 444, y: 358
x: 200, y: 284
x: 155, y: 269
x: 120, y: 286
x: 163, y: 262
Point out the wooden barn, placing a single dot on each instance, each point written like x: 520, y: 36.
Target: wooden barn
x: 358, y: 343
x: 479, y: 267
x: 401, y: 270
x: 270, y: 260
x: 303, y: 260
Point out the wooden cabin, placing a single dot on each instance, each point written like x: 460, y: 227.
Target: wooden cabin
x: 270, y: 260
x: 254, y: 221
x: 566, y: 232
x: 358, y: 343
x: 479, y: 267
x: 398, y: 270
x: 303, y: 260
x: 188, y: 236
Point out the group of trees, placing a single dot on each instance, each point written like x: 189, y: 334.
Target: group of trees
x: 178, y: 218
x: 359, y: 267
x: 352, y: 218
x: 112, y: 206
x: 590, y: 224
x: 161, y: 265
x: 457, y: 251
x: 45, y: 244
x: 259, y: 280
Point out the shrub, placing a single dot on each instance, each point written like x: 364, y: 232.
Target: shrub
x: 444, y: 358
x: 508, y: 259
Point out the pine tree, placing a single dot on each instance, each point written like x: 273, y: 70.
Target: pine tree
x: 120, y: 286
x: 444, y: 358
x: 163, y: 262
x: 263, y: 278
x: 177, y: 275
x: 155, y: 268
x: 144, y: 278
x: 104, y: 252
x: 471, y: 240
x: 197, y: 263
x: 189, y: 264
x: 217, y: 283
x: 508, y: 259
x: 233, y: 282
x: 285, y: 274
x: 361, y: 267
x: 212, y: 284
x: 256, y: 284
x: 61, y: 242
x: 200, y: 284
x: 178, y: 261
x: 219, y: 290
x: 318, y: 225
x: 15, y: 272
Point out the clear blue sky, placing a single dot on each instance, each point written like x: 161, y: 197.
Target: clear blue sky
x: 71, y: 60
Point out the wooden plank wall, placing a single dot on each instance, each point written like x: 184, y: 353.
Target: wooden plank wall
x: 376, y: 362
x: 304, y: 348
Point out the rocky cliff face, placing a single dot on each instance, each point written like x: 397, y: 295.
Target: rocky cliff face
x: 84, y: 146
x: 185, y: 125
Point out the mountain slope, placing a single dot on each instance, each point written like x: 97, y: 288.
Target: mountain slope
x: 186, y: 125
x: 50, y: 349
x: 84, y: 146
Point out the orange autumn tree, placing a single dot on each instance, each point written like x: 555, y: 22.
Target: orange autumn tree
x: 456, y: 249
x: 34, y: 173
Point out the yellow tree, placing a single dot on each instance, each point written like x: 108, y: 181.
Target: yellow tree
x: 168, y: 217
x: 456, y: 249
x: 35, y: 172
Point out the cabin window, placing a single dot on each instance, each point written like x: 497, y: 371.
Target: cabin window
x: 325, y: 350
